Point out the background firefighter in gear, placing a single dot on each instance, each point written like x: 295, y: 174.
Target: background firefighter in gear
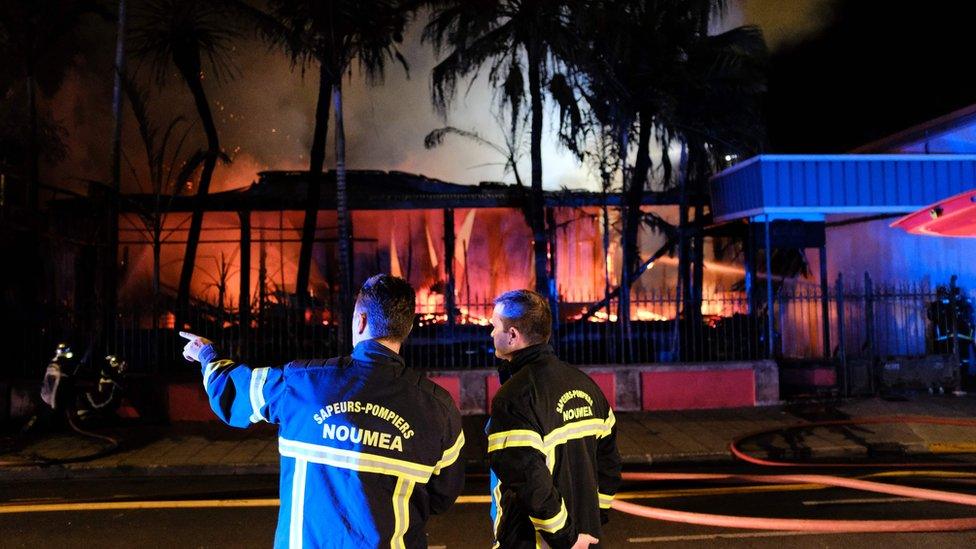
x: 369, y: 448
x: 551, y: 437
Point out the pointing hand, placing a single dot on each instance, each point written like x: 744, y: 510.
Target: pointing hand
x: 191, y: 351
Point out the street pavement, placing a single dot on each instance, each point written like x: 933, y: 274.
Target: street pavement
x: 644, y: 439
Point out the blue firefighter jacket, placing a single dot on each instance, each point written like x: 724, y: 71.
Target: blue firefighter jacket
x: 369, y: 448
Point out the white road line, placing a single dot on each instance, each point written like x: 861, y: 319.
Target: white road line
x: 738, y: 535
x: 859, y: 501
x: 136, y: 505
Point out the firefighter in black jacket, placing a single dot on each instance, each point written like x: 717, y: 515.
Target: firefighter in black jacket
x: 551, y: 437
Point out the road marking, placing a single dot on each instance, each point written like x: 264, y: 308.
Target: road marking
x: 136, y: 505
x: 739, y: 535
x: 473, y: 499
x: 468, y: 499
x: 858, y: 501
x: 952, y: 447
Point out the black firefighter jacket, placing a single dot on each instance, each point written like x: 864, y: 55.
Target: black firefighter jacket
x: 552, y: 446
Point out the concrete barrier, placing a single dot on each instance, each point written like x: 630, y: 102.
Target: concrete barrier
x: 631, y: 388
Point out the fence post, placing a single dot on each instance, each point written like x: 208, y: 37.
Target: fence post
x: 841, y: 352
x: 449, y: 296
x: 769, y: 290
x: 869, y: 328
x: 825, y: 301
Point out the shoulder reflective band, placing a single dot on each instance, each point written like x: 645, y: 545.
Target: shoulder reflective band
x: 356, y: 461
x: 515, y: 437
x: 553, y: 524
x: 571, y: 431
x: 450, y: 455
x: 605, y: 500
x: 611, y: 421
x: 575, y: 430
x: 258, y: 377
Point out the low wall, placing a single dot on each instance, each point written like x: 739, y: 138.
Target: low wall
x: 628, y: 388
x: 631, y: 388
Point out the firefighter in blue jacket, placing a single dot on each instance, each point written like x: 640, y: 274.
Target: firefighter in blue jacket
x: 369, y: 448
x: 551, y: 438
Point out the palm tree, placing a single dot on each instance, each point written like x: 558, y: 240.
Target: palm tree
x: 189, y: 35
x: 509, y: 37
x: 333, y: 35
x: 656, y: 78
x: 38, y: 41
x: 717, y: 113
x: 166, y: 168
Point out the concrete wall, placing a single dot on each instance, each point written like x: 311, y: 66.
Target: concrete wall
x: 628, y: 388
x: 631, y: 388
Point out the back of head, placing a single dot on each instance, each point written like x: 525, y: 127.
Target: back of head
x: 389, y: 303
x: 527, y: 311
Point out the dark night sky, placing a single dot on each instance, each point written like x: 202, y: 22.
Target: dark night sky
x: 843, y: 72
x: 877, y: 67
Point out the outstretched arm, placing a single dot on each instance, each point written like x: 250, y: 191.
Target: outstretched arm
x: 239, y: 395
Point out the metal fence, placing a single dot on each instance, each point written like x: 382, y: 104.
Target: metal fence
x: 864, y: 320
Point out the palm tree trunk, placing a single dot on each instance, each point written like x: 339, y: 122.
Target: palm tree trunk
x: 344, y: 221
x: 698, y: 275
x: 536, y: 207
x: 117, y: 98
x: 110, y: 273
x: 192, y: 78
x: 316, y: 161
x: 634, y: 195
x: 33, y: 179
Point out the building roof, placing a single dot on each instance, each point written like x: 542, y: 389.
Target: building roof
x: 950, y: 133
x: 811, y: 186
x: 379, y: 190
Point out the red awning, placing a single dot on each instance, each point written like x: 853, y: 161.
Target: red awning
x: 952, y: 217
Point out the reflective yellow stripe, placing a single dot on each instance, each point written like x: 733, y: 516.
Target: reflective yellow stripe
x: 575, y: 430
x: 515, y: 437
x: 212, y: 367
x: 553, y: 524
x: 496, y: 494
x: 450, y: 455
x: 611, y: 421
x: 605, y: 500
x: 401, y: 511
x: 571, y: 431
x: 356, y: 461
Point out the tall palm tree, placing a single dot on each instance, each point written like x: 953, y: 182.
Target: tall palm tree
x: 38, y: 41
x: 190, y: 35
x: 517, y: 40
x: 716, y: 113
x: 655, y: 77
x: 334, y: 35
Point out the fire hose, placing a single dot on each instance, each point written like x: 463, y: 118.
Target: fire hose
x: 815, y: 525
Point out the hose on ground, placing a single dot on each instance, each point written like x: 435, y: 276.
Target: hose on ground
x: 816, y: 525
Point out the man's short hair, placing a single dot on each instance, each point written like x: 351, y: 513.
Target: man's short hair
x: 529, y: 312
x: 389, y: 303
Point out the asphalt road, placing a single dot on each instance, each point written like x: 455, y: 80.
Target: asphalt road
x: 241, y: 512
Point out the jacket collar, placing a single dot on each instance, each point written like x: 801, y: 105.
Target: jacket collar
x: 525, y: 356
x: 373, y: 352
